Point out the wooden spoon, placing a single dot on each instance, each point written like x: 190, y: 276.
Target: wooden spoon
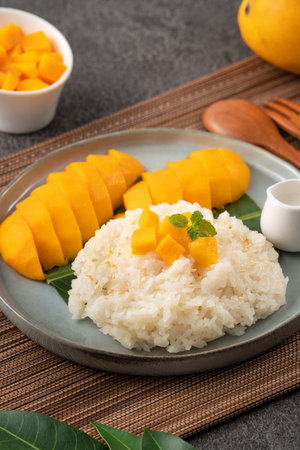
x: 245, y: 121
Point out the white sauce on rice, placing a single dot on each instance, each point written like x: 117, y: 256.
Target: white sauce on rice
x: 143, y: 302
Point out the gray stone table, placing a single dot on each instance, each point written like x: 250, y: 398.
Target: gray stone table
x: 131, y: 51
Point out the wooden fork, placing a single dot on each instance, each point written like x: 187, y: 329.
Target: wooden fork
x: 285, y: 113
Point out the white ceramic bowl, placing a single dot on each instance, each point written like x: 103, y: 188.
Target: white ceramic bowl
x: 28, y: 111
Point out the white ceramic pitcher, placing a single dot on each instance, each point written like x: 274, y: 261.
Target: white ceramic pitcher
x: 280, y: 218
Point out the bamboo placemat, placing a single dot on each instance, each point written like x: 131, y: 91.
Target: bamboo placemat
x: 32, y: 378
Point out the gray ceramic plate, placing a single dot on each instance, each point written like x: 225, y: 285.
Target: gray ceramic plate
x: 41, y: 314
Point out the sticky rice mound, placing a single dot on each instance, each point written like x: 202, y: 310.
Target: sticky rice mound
x: 142, y: 302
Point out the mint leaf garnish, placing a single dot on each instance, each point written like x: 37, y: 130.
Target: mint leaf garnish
x: 196, y: 218
x: 178, y: 220
x: 193, y: 232
x: 206, y: 229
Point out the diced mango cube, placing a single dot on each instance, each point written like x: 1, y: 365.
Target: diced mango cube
x: 179, y: 234
x: 50, y: 69
x: 56, y: 55
x: 10, y: 82
x: 169, y: 249
x: 28, y: 69
x: 27, y: 57
x: 3, y: 54
x: 11, y: 67
x: 204, y: 250
x: 36, y: 41
x: 10, y: 35
x: 2, y: 76
x: 148, y: 218
x: 31, y: 84
x: 15, y: 51
x: 137, y: 196
x: 143, y: 240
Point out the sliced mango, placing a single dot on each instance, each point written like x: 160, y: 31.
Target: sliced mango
x: 137, y: 196
x: 78, y: 196
x: 148, y: 218
x: 130, y: 166
x: 112, y: 175
x: 163, y: 186
x: 47, y: 244
x: 143, y: 240
x: 63, y: 219
x: 169, y: 249
x: 96, y: 187
x: 204, y: 250
x: 18, y: 248
x: 194, y: 181
x: 217, y: 174
x: 238, y: 171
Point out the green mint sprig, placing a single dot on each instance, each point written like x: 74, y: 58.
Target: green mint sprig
x: 199, y: 228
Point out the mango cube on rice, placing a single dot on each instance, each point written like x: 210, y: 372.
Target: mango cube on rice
x: 169, y: 249
x: 143, y: 240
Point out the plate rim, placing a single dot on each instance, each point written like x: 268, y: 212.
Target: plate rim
x: 15, y: 315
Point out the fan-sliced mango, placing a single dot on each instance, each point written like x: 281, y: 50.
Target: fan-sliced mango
x: 96, y: 187
x: 194, y: 181
x: 112, y: 174
x: 47, y: 244
x: 63, y: 219
x: 78, y: 196
x: 211, y: 177
x: 130, y: 166
x: 59, y: 216
x: 217, y: 174
x: 18, y: 248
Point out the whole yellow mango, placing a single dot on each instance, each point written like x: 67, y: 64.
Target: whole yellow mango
x: 272, y: 30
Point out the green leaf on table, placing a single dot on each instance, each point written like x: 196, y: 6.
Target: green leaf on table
x: 244, y: 209
x: 118, y: 439
x: 158, y: 440
x: 29, y: 430
x: 61, y: 278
